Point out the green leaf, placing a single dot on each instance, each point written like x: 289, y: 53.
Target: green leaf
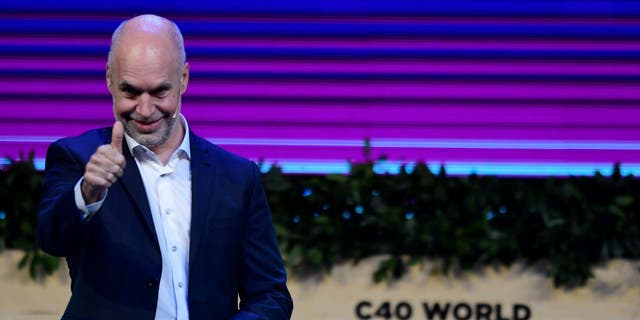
x: 614, y: 210
x: 25, y: 259
x: 623, y: 200
x: 315, y: 257
x: 295, y: 255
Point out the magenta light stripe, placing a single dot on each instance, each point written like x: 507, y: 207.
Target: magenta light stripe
x: 350, y: 44
x: 378, y: 143
x: 56, y: 110
x: 423, y: 132
x: 68, y: 86
x: 13, y: 150
x: 343, y: 114
x: 436, y: 44
x: 405, y: 154
x: 51, y: 128
x: 426, y: 20
x: 427, y: 154
x: 66, y: 41
x: 52, y: 64
x: 275, y: 131
x: 426, y: 114
x: 414, y: 90
x: 380, y: 66
x: 350, y: 90
x: 374, y: 67
x: 89, y: 17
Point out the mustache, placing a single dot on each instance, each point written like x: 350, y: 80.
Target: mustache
x: 146, y: 120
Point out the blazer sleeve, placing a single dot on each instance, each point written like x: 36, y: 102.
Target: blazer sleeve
x: 263, y: 291
x: 59, y: 230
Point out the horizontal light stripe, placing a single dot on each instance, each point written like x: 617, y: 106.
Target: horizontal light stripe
x: 395, y: 143
x: 349, y: 44
x: 276, y: 130
x: 347, y: 67
x: 424, y: 27
x: 506, y: 144
x: 452, y: 168
x: 26, y: 138
x: 576, y: 19
x: 439, y: 144
x: 402, y: 90
x: 339, y: 114
x: 472, y: 9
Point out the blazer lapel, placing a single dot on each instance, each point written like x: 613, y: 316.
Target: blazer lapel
x: 202, y: 173
x: 132, y: 184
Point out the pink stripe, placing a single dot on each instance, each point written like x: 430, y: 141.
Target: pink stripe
x: 414, y: 44
x: 275, y: 131
x: 328, y: 114
x: 348, y: 44
x: 403, y: 132
x: 402, y: 154
x: 374, y: 67
x: 351, y: 90
x: 415, y: 90
x: 22, y: 64
x: 298, y: 18
x: 406, y: 154
x: 51, y: 128
x: 67, y: 41
x: 382, y: 67
x: 426, y: 114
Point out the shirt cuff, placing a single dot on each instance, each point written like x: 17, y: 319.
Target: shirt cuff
x: 86, y: 211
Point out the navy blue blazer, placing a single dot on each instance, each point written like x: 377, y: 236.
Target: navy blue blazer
x: 114, y: 257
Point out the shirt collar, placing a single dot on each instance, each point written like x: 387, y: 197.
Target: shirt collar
x: 184, y: 147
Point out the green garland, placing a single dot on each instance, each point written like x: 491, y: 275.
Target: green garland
x: 566, y: 224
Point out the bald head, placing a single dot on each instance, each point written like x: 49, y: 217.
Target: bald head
x: 148, y: 30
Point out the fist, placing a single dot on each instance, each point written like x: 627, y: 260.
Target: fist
x: 104, y: 168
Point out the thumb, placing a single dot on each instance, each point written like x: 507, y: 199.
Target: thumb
x: 116, y: 136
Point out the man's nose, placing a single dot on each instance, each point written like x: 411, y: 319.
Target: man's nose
x: 145, y: 105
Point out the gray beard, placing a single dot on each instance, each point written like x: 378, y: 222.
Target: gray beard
x: 151, y: 141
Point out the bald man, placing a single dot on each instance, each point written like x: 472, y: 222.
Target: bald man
x: 154, y: 221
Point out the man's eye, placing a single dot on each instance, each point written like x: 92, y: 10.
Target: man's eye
x: 160, y: 93
x: 129, y: 93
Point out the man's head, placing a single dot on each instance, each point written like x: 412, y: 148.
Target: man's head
x: 147, y: 75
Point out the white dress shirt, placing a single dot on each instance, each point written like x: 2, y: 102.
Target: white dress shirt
x: 168, y: 189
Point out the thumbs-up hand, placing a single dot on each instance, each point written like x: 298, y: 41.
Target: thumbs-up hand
x: 104, y: 168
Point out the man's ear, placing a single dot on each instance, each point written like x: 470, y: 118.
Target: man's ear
x: 185, y: 78
x: 108, y: 76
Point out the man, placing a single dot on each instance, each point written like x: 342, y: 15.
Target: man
x: 154, y: 221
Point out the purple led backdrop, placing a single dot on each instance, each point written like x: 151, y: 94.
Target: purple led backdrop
x: 495, y: 94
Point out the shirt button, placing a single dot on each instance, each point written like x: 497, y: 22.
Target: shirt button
x: 180, y: 284
x: 174, y: 248
x: 168, y: 211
